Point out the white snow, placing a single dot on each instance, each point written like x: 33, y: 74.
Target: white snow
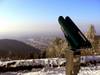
x: 90, y: 70
x: 47, y: 70
x: 58, y: 71
x: 32, y: 62
x: 44, y: 71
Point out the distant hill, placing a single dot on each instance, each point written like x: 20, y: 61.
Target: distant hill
x: 15, y: 49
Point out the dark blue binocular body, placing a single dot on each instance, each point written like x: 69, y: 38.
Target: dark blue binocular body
x: 73, y: 35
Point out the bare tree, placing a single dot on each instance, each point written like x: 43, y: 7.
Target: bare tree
x: 57, y: 48
x: 91, y: 35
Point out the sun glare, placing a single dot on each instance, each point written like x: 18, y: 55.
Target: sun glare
x: 4, y: 25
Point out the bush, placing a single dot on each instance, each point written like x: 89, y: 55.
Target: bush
x: 57, y: 48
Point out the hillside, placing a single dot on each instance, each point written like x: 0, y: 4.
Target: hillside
x: 15, y: 49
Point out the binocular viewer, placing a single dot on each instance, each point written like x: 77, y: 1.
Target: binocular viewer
x: 73, y: 35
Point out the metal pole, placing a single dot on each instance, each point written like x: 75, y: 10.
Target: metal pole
x: 69, y: 64
x: 76, y: 62
x: 73, y: 63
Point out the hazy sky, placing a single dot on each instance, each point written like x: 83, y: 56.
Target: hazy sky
x: 20, y: 16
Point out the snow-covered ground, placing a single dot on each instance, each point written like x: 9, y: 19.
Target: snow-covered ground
x: 32, y: 62
x: 47, y: 70
x: 89, y: 70
x: 57, y: 71
x: 44, y: 71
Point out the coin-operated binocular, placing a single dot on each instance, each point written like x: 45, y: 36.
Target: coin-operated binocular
x: 77, y: 41
x: 73, y: 35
